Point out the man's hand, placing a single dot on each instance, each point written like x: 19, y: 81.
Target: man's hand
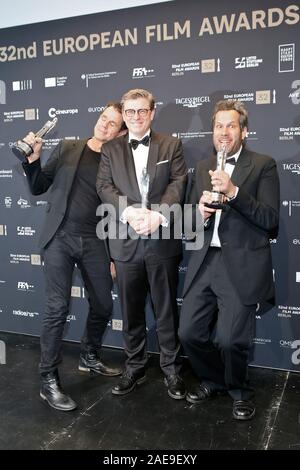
x: 36, y: 143
x: 206, y: 212
x: 150, y: 223
x: 113, y: 271
x: 135, y: 217
x: 222, y: 183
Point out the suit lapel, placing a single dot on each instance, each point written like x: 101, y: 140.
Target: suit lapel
x: 129, y: 168
x: 152, y: 158
x: 241, y: 172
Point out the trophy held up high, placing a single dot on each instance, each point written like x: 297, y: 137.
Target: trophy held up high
x: 218, y: 198
x: 22, y: 150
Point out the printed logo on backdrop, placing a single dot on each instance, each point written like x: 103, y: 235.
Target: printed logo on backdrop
x: 191, y: 134
x: 2, y: 92
x: 17, y: 258
x: 6, y: 173
x: 28, y: 114
x: 286, y: 58
x: 52, y: 82
x: 53, y: 112
x: 288, y: 133
x: 290, y: 205
x: 204, y: 66
x: 71, y: 317
x: 297, y: 276
x: 96, y: 109
x: 3, y: 230
x: 25, y: 231
x: 77, y: 291
x: 262, y: 341
x: 142, y: 72
x: 25, y: 313
x: 259, y: 96
x: 87, y: 77
x: 265, y: 97
x: 24, y: 286
x: 49, y: 144
x: 116, y: 325
x: 22, y: 85
x: 292, y: 167
x: 247, y: 62
x: 23, y: 203
x: 295, y: 95
x: 288, y: 311
x: 192, y: 101
x: 8, y: 202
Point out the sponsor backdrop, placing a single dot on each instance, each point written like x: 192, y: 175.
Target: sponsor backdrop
x: 189, y: 54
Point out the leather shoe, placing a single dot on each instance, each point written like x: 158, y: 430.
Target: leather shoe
x: 128, y: 383
x: 52, y: 393
x: 176, y: 386
x: 202, y: 393
x: 243, y: 410
x: 90, y: 362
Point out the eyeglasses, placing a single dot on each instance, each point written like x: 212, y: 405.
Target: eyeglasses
x: 140, y: 112
x: 113, y: 125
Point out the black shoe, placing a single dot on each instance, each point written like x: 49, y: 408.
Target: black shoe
x: 176, y: 386
x: 243, y: 410
x: 128, y: 383
x: 52, y: 393
x: 90, y: 362
x: 202, y: 393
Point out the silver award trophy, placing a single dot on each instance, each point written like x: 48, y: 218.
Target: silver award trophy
x: 144, y: 187
x: 217, y: 197
x: 22, y: 150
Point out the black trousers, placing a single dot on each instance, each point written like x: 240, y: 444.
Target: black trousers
x: 216, y: 329
x: 60, y: 257
x: 147, y: 273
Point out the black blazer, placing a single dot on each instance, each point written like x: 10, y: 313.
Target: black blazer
x: 59, y: 172
x: 116, y: 177
x: 245, y: 226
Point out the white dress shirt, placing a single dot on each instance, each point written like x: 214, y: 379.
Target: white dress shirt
x: 215, y: 241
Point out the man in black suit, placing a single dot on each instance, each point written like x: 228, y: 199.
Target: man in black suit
x: 232, y: 273
x: 147, y: 168
x: 69, y: 237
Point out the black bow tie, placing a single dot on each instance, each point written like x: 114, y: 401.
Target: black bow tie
x: 231, y: 160
x: 135, y: 143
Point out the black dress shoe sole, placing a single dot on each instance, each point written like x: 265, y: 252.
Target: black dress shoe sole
x: 128, y: 390
x: 97, y: 371
x: 45, y: 399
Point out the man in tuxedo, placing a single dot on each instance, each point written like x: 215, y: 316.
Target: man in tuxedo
x: 69, y: 237
x: 148, y: 168
x: 232, y: 273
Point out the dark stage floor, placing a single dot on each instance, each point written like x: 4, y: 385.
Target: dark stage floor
x: 146, y: 418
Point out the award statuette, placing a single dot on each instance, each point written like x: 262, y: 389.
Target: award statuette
x: 144, y: 187
x: 218, y: 197
x: 22, y: 150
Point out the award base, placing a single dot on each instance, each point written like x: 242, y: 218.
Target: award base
x: 22, y: 150
x: 217, y: 202
x: 215, y: 205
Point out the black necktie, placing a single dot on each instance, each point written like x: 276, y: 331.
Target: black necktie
x: 135, y: 143
x: 231, y: 160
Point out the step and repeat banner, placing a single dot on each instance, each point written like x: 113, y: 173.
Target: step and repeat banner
x: 190, y: 55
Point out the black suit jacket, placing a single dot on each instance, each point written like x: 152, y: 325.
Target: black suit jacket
x: 245, y: 226
x: 117, y: 177
x: 59, y: 172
